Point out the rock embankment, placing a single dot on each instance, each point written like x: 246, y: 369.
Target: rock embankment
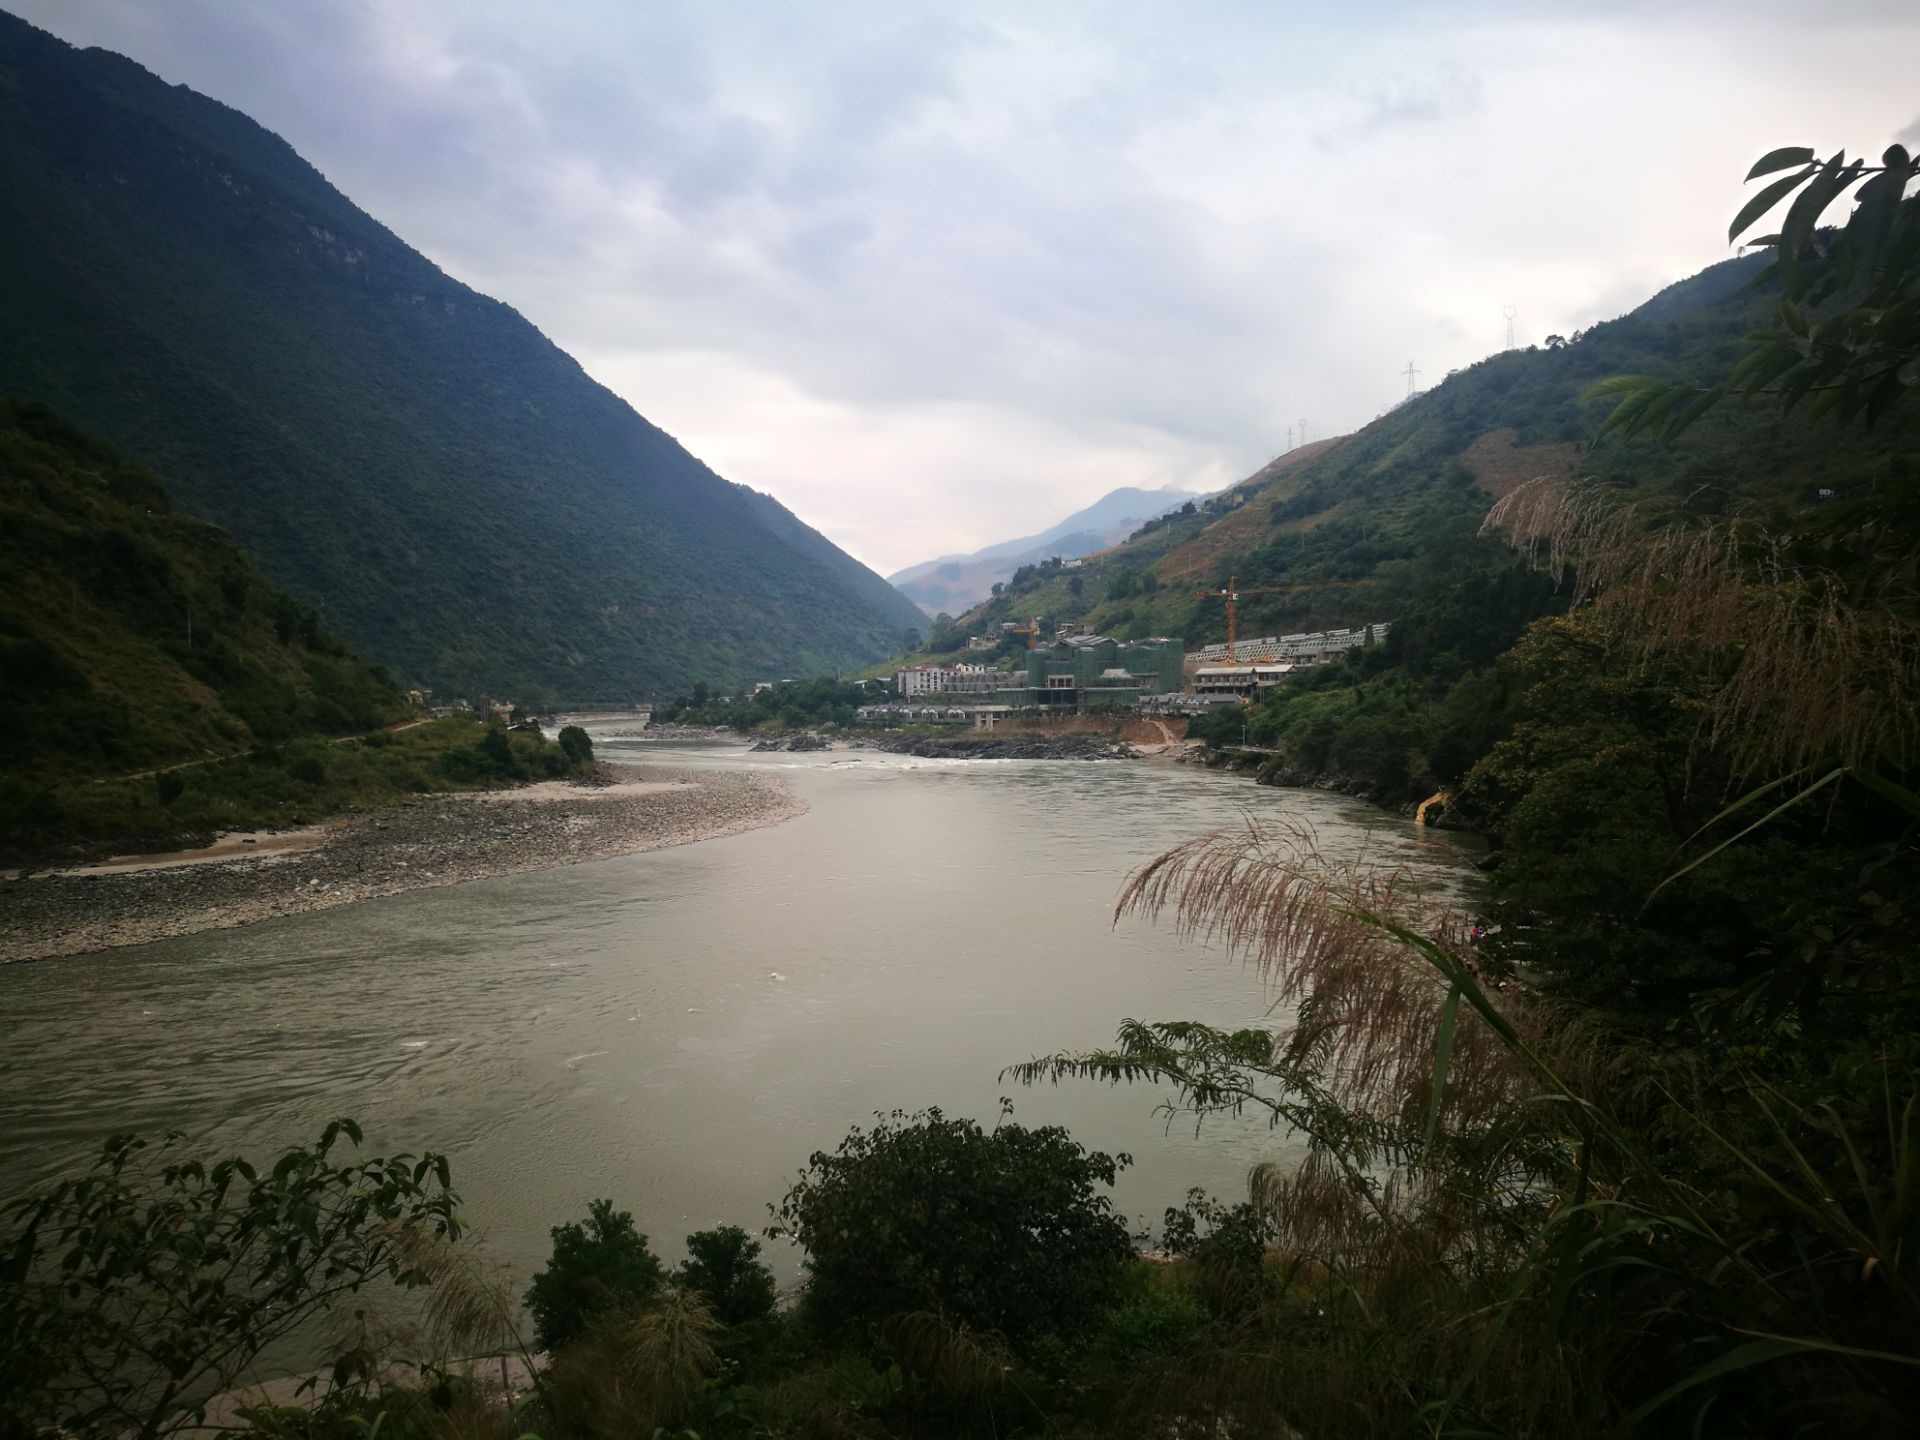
x: 806, y: 740
x: 441, y: 840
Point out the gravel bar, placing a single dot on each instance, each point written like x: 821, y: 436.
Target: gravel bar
x: 436, y: 840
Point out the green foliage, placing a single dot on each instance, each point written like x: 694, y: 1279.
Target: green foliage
x: 1001, y: 1231
x: 1846, y: 332
x: 132, y: 1294
x: 266, y: 787
x: 131, y: 637
x: 596, y: 1270
x: 723, y: 1265
x: 788, y: 705
x: 471, y: 507
x: 578, y: 746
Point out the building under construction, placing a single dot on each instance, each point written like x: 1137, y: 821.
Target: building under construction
x: 1076, y: 672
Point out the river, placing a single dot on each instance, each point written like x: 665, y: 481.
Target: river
x: 679, y: 1029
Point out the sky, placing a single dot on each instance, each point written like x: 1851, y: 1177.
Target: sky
x: 936, y: 275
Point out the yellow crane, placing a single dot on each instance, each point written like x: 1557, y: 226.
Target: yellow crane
x: 1233, y: 593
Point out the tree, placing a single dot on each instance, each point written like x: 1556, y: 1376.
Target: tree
x: 910, y: 638
x: 595, y: 1270
x: 130, y: 1296
x: 723, y: 1265
x: 578, y: 745
x: 1847, y: 328
x: 1001, y: 1231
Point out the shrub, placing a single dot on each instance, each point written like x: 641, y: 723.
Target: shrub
x: 578, y: 745
x: 595, y: 1269
x: 996, y: 1230
x: 724, y: 1266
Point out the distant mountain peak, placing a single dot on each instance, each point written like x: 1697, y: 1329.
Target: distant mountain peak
x: 955, y: 583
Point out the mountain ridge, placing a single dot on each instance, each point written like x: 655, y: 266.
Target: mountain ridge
x: 963, y: 580
x: 454, y: 492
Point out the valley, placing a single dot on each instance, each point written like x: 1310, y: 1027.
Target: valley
x: 510, y: 933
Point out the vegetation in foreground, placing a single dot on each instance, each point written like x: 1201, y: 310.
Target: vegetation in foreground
x: 1626, y: 1169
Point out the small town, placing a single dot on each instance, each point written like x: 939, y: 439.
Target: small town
x: 1081, y: 673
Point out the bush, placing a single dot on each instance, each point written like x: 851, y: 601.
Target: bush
x: 595, y: 1269
x: 1157, y: 1315
x: 997, y: 1230
x: 578, y: 745
x: 724, y: 1266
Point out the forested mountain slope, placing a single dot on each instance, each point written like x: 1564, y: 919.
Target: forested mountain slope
x: 455, y: 494
x: 133, y: 636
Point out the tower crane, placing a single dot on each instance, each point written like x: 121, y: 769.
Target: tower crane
x: 1233, y: 593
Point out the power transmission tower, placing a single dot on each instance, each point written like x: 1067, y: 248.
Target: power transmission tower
x: 1303, y: 432
x: 1509, y: 311
x: 1289, y: 437
x: 1412, y: 375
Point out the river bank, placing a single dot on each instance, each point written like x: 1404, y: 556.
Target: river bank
x: 969, y: 745
x: 431, y: 841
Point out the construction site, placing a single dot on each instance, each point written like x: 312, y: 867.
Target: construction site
x: 1079, y: 673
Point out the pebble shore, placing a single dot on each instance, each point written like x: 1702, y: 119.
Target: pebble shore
x: 436, y: 840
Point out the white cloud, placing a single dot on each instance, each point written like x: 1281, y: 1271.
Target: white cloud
x: 936, y: 281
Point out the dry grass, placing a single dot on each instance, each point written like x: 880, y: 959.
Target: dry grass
x: 1366, y: 1007
x: 1810, y: 676
x: 637, y: 1372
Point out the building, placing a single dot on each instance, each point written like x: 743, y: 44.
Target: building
x: 1077, y: 672
x: 947, y: 680
x: 1304, y: 649
x: 1083, y: 672
x: 1237, y: 681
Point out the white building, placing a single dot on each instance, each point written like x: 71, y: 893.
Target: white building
x: 1237, y: 679
x: 946, y: 680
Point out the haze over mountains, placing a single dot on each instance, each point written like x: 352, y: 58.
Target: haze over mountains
x: 956, y: 582
x: 453, y: 494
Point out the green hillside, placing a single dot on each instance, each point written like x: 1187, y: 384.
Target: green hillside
x: 132, y: 636
x: 158, y: 690
x: 1385, y: 521
x: 413, y: 459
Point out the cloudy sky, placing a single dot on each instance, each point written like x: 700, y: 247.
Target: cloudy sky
x: 935, y: 275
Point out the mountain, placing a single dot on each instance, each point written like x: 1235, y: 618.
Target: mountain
x: 415, y: 460
x: 955, y: 582
x: 134, y: 636
x: 1385, y: 524
x: 159, y: 691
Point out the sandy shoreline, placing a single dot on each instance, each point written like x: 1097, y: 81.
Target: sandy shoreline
x: 437, y: 840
